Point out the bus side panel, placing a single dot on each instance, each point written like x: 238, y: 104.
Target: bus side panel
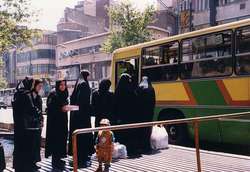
x: 192, y: 94
x: 236, y: 93
x: 208, y: 131
x: 206, y: 93
x: 203, y: 98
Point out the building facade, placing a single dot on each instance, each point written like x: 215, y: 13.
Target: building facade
x: 80, y: 54
x: 88, y: 17
x: 198, y: 14
x: 37, y: 61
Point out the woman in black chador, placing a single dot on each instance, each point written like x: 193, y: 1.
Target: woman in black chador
x: 146, y: 105
x: 125, y: 113
x: 82, y: 119
x: 26, y: 127
x: 103, y: 102
x: 57, y: 125
x: 37, y: 99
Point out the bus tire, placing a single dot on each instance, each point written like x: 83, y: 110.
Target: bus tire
x: 177, y: 133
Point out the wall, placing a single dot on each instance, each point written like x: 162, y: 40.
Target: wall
x: 165, y: 20
x: 200, y: 18
x: 233, y: 10
x: 90, y: 7
x: 225, y: 13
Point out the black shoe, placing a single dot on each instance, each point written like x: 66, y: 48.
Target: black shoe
x: 62, y: 162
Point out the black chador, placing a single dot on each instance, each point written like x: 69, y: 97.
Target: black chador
x: 82, y: 119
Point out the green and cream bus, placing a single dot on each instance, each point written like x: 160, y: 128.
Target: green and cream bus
x: 200, y: 73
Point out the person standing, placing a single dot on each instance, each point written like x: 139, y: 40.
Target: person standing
x: 37, y: 99
x: 125, y: 113
x: 103, y: 102
x: 57, y: 125
x: 82, y: 119
x: 26, y: 127
x: 146, y: 106
x: 104, y: 146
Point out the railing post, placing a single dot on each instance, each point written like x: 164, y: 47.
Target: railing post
x: 197, y: 145
x: 75, y: 160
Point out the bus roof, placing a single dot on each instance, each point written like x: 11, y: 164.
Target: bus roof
x: 134, y: 50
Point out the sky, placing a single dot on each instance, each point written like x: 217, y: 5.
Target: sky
x: 50, y: 11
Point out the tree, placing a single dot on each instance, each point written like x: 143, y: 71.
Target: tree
x: 128, y: 26
x: 3, y: 83
x: 14, y: 15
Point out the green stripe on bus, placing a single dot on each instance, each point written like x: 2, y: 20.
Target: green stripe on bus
x: 207, y: 93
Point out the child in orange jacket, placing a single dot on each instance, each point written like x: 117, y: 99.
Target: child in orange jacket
x: 104, y: 146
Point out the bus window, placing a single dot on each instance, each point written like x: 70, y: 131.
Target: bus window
x: 243, y: 51
x: 130, y: 67
x: 160, y: 63
x: 207, y: 56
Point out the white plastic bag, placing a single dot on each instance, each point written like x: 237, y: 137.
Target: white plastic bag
x: 159, y: 138
x: 120, y: 151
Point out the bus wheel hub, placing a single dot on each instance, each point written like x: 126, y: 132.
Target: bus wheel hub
x: 172, y: 130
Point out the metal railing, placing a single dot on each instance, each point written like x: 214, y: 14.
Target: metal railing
x: 195, y: 121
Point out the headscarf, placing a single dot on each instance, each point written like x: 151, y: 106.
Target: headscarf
x: 145, y: 83
x: 62, y: 94
x: 37, y: 82
x: 85, y: 74
x: 104, y: 85
x: 26, y: 85
x: 124, y: 84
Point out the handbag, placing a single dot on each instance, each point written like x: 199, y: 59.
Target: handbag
x: 120, y: 151
x: 159, y: 138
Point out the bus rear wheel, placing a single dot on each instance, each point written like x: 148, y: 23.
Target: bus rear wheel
x: 177, y: 133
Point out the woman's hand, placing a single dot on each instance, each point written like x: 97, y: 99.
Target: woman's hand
x: 65, y: 108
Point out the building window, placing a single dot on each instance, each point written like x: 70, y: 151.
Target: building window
x: 243, y: 51
x: 36, y: 54
x: 201, y: 5
x: 225, y: 2
x: 160, y: 63
x: 242, y: 6
x: 207, y: 56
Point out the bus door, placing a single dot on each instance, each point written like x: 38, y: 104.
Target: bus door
x: 130, y: 66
